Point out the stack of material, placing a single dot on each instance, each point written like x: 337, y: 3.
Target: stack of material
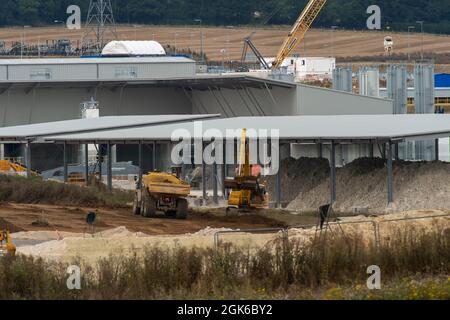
x: 363, y: 183
x: 299, y: 176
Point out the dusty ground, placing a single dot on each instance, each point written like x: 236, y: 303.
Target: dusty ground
x: 20, y: 217
x: 318, y: 42
x: 120, y: 241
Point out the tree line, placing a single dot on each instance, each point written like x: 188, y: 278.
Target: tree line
x: 348, y: 14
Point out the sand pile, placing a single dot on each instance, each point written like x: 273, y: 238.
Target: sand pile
x: 120, y: 241
x: 119, y: 232
x: 43, y: 235
x: 363, y: 183
x: 208, y: 231
x: 299, y: 175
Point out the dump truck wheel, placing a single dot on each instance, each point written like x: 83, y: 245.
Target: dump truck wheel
x: 171, y: 214
x: 148, y: 209
x: 182, y: 209
x: 136, y: 206
x: 136, y: 209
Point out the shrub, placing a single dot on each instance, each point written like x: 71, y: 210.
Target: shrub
x: 35, y: 191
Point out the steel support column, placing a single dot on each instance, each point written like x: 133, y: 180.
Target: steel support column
x: 320, y: 150
x: 154, y: 165
x: 333, y: 172
x: 224, y: 170
x: 109, y: 166
x: 28, y: 158
x: 86, y: 163
x: 100, y: 162
x: 278, y: 182
x: 215, y: 184
x: 141, y: 160
x: 436, y: 149
x: 390, y: 179
x: 65, y: 164
x: 205, y: 195
x: 397, y: 155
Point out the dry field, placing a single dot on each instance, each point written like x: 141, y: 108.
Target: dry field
x: 318, y: 42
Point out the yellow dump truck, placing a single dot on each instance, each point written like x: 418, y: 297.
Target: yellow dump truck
x: 161, y: 192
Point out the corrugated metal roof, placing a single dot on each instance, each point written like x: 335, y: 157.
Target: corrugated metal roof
x: 31, y: 131
x: 186, y: 81
x: 105, y: 60
x: 293, y: 128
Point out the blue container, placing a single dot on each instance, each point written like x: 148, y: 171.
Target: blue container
x: 442, y: 80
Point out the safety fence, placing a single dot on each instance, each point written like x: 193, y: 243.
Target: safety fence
x: 285, y: 231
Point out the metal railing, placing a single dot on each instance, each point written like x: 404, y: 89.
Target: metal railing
x: 285, y: 231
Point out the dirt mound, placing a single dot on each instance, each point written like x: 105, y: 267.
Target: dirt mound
x: 299, y: 175
x: 363, y: 183
x: 36, y: 191
x: 208, y: 231
x: 6, y: 225
x: 119, y: 232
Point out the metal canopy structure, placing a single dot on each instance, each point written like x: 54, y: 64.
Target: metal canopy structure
x: 198, y: 82
x: 30, y: 133
x: 385, y: 130
x: 315, y: 129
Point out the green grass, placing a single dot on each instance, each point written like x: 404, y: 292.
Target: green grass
x: 36, y: 191
x: 415, y: 265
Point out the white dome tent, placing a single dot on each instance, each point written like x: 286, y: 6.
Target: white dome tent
x: 133, y: 49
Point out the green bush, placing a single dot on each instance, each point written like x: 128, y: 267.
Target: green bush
x: 36, y: 191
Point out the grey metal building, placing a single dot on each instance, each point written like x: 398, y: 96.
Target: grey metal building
x: 45, y: 90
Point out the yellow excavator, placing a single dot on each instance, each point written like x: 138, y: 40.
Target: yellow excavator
x: 161, y: 192
x: 7, y: 248
x: 9, y: 167
x: 247, y: 191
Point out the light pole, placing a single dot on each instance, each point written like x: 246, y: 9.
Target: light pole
x: 135, y: 26
x: 176, y: 43
x: 409, y: 41
x: 421, y: 30
x: 22, y: 41
x: 200, y: 21
x: 223, y: 52
x: 333, y: 29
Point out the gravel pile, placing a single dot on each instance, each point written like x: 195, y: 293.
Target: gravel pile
x: 363, y: 184
x: 299, y: 175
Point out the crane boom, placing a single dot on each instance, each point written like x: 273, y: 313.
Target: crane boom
x: 299, y: 30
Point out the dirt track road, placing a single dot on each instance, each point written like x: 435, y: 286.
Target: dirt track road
x: 19, y: 217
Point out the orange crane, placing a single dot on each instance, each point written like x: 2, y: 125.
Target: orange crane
x: 297, y: 34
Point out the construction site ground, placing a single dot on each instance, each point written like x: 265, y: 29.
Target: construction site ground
x: 118, y: 232
x: 25, y: 217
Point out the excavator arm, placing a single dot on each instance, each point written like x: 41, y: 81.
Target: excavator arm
x: 302, y: 25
